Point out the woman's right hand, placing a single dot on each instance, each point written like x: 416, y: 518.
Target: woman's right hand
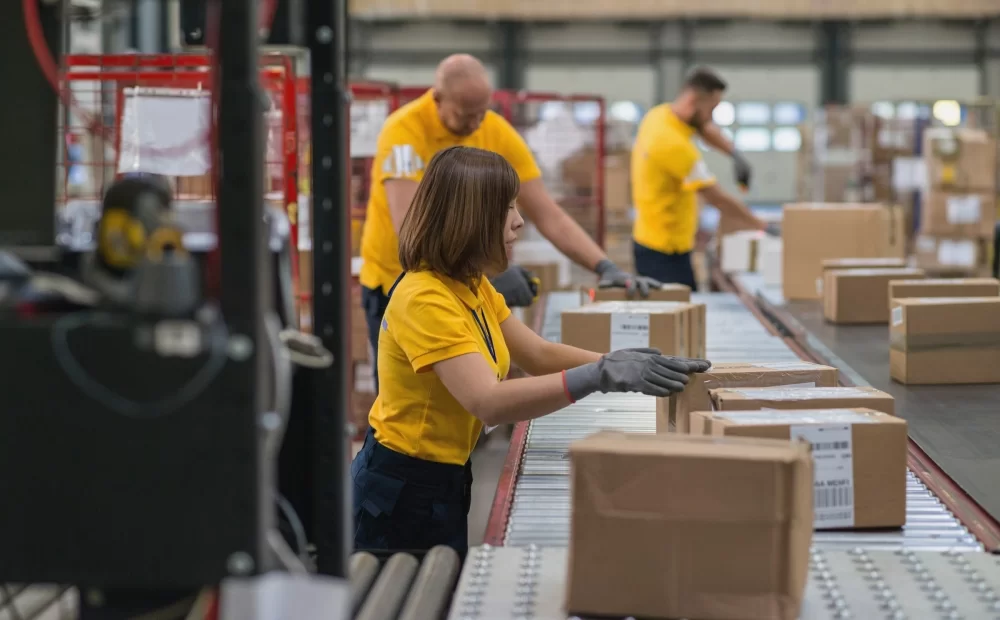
x: 633, y: 370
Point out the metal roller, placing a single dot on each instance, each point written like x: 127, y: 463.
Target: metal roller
x: 362, y: 573
x: 390, y: 589
x: 433, y: 587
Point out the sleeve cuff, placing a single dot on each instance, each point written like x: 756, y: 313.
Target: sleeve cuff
x: 694, y: 186
x: 423, y: 362
x: 503, y: 315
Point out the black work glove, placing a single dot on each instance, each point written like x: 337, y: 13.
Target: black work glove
x: 516, y: 287
x: 774, y: 230
x: 741, y: 169
x: 610, y: 276
x: 633, y: 370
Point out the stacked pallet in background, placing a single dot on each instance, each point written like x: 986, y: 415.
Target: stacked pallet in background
x: 958, y: 206
x: 835, y: 162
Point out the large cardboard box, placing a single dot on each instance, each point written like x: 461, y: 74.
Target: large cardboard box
x: 667, y: 292
x: 958, y: 214
x: 672, y: 413
x: 859, y: 459
x: 752, y: 399
x: 668, y: 526
x: 812, y: 233
x: 944, y: 287
x: 613, y: 325
x: 960, y: 159
x: 945, y: 340
x: 858, y: 296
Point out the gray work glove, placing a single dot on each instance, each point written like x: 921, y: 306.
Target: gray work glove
x: 516, y: 287
x: 610, y: 276
x: 773, y: 229
x: 741, y: 170
x: 633, y: 370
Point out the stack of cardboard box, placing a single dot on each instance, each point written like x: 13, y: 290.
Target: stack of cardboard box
x: 675, y: 328
x: 958, y: 206
x: 835, y: 161
x: 860, y: 296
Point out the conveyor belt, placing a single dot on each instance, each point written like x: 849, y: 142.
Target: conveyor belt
x: 539, y: 508
x: 957, y: 426
x: 529, y: 582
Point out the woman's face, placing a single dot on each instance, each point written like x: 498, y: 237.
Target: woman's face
x: 514, y: 224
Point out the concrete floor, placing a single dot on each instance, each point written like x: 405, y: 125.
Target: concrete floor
x: 487, y: 462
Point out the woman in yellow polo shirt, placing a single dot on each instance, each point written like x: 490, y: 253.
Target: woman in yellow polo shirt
x: 445, y: 345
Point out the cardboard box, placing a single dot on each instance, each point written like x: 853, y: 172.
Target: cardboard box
x: 944, y: 287
x: 672, y: 414
x: 739, y: 251
x: 547, y: 274
x: 769, y: 260
x: 812, y: 233
x: 958, y: 214
x: 667, y: 526
x: 613, y: 325
x: 858, y: 263
x: 668, y: 292
x: 972, y: 166
x: 945, y: 340
x: 952, y: 255
x: 859, y: 459
x: 859, y: 296
x: 754, y: 398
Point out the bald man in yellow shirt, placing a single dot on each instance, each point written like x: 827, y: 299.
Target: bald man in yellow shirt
x: 456, y: 112
x: 669, y: 178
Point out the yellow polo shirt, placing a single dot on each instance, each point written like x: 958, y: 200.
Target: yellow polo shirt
x: 429, y: 320
x: 410, y: 137
x: 667, y: 172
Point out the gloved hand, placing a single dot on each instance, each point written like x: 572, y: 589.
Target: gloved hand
x: 741, y: 169
x: 633, y: 370
x: 773, y: 229
x: 516, y: 287
x: 610, y: 276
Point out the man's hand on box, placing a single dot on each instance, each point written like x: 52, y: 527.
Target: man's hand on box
x: 517, y: 285
x: 610, y: 276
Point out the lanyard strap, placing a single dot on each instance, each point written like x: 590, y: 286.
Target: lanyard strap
x: 484, y: 329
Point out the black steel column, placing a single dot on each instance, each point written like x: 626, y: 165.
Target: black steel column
x: 834, y: 60
x: 326, y: 34
x: 510, y: 55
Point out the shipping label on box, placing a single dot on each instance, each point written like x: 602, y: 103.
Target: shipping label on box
x: 672, y: 414
x: 939, y: 255
x: 693, y: 500
x: 958, y: 214
x: 614, y: 325
x: 945, y: 340
x: 848, y: 446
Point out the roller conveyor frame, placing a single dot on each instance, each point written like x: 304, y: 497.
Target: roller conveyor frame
x: 939, y: 488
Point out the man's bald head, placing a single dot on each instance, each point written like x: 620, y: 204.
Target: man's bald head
x: 462, y: 92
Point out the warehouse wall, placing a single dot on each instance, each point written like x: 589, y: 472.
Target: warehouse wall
x: 764, y: 63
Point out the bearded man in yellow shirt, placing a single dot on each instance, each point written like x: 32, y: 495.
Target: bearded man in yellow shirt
x: 456, y: 112
x: 669, y: 177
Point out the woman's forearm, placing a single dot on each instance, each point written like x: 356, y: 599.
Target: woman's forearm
x: 518, y: 400
x: 554, y: 357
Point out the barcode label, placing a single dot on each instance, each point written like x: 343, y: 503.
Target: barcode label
x: 831, y: 445
x: 833, y: 468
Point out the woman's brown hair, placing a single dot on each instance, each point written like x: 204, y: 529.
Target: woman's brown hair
x: 455, y: 224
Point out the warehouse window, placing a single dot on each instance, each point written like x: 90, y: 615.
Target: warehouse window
x: 884, y: 109
x: 753, y: 113
x: 787, y: 139
x: 586, y: 112
x: 724, y: 114
x: 753, y: 139
x: 907, y: 110
x: 789, y: 113
x: 949, y: 113
x: 625, y: 112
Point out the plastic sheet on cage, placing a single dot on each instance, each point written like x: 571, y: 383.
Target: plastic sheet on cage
x: 367, y: 118
x: 555, y: 139
x: 165, y: 131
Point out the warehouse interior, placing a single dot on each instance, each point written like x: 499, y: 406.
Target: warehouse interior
x: 187, y: 453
